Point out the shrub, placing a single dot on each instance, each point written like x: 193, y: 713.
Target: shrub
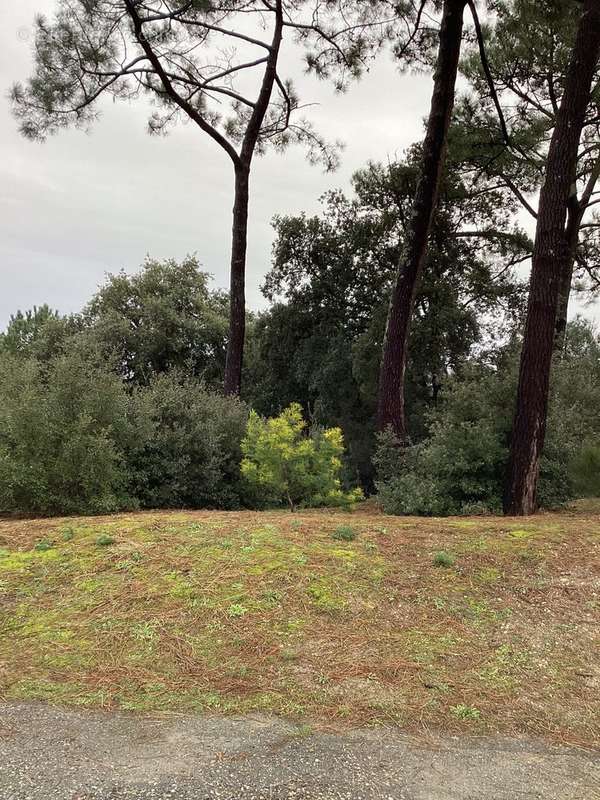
x: 403, y: 488
x: 283, y: 465
x: 460, y: 467
x: 75, y: 439
x: 59, y: 425
x: 188, y: 449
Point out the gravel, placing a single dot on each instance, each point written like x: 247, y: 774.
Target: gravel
x: 48, y: 753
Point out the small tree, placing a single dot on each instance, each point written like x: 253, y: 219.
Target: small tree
x: 282, y: 464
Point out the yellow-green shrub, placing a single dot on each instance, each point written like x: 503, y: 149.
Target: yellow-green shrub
x: 283, y: 463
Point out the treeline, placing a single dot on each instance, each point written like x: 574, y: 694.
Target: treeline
x: 394, y: 297
x: 121, y: 406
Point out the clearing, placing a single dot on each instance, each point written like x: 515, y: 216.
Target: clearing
x: 475, y: 625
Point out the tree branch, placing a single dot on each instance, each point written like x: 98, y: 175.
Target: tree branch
x: 170, y: 90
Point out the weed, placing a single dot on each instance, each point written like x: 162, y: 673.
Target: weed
x: 43, y: 546
x: 289, y: 655
x: 68, y: 534
x: 489, y: 575
x: 302, y: 731
x: 344, y: 533
x: 466, y: 713
x: 272, y: 597
x: 521, y: 533
x: 443, y: 559
x: 144, y: 632
x: 105, y: 540
x: 237, y: 610
x: 324, y: 598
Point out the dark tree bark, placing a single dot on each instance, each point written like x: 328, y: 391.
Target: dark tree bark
x: 395, y: 346
x: 576, y: 211
x: 575, y: 214
x: 551, y: 259
x: 237, y: 284
x: 237, y: 299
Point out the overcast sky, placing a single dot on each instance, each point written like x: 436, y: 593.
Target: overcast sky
x: 83, y: 204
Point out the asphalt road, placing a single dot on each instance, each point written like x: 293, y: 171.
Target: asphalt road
x: 53, y: 754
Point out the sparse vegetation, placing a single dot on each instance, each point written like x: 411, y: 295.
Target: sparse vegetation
x: 240, y: 611
x: 466, y: 713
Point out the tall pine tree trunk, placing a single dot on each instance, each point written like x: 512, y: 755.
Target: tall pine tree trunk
x: 551, y: 259
x: 395, y: 346
x: 564, y: 289
x: 575, y: 213
x: 237, y: 298
x: 237, y: 284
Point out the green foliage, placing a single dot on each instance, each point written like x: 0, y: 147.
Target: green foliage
x: 344, y: 533
x: 402, y: 487
x: 187, y: 449
x: 59, y: 428
x: 585, y: 470
x: 466, y: 713
x: 461, y: 465
x: 163, y: 317
x: 334, y: 271
x: 237, y: 610
x: 105, y: 540
x: 74, y: 439
x: 443, y: 559
x: 282, y: 464
x: 43, y: 546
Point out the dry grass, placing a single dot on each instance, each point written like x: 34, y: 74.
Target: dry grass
x: 239, y: 612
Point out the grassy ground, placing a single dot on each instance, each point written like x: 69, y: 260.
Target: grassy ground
x: 480, y: 624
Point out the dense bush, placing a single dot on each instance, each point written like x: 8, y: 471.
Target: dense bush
x: 75, y: 439
x: 460, y: 467
x: 282, y: 465
x: 59, y: 429
x: 188, y: 448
